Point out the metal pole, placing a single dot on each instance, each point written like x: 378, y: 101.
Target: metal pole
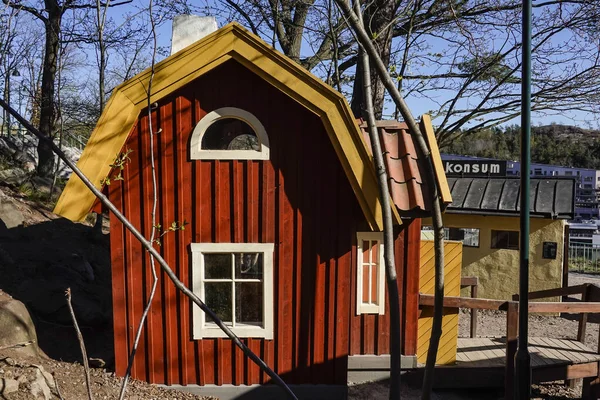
x: 522, y: 358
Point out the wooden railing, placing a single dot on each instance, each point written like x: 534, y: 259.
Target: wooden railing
x: 590, y: 303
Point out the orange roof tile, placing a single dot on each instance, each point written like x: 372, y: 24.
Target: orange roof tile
x: 404, y: 163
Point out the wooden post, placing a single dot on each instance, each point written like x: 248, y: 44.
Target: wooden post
x: 471, y: 282
x: 512, y: 326
x: 585, y: 296
x: 474, y: 311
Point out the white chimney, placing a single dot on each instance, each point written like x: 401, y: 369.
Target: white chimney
x: 188, y: 29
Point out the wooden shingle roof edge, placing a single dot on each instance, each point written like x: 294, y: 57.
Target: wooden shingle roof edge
x: 230, y: 42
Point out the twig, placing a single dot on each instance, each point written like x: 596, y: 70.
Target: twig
x: 12, y: 346
x: 60, y: 396
x: 86, y: 366
x: 154, y: 203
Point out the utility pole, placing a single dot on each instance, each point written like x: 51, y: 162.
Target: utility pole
x: 522, y: 358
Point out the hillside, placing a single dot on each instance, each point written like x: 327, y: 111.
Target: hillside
x: 551, y: 144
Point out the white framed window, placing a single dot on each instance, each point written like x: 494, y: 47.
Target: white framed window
x: 236, y: 281
x: 370, y: 282
x: 229, y: 133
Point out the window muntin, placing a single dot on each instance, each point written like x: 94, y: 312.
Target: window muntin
x: 370, y: 289
x: 229, y: 133
x: 235, y: 280
x: 505, y: 240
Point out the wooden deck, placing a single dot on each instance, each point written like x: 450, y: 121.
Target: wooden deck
x: 480, y: 362
x: 545, y: 352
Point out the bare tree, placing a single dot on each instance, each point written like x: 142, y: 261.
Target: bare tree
x: 51, y: 14
x: 461, y: 56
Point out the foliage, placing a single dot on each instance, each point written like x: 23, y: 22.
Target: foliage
x: 551, y: 144
x: 121, y: 160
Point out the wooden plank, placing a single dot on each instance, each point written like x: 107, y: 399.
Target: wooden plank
x: 411, y: 291
x: 550, y: 354
x: 344, y: 301
x: 187, y: 209
x: 564, y: 291
x: 573, y: 308
x: 118, y: 257
x: 134, y: 210
x: 463, y: 302
x: 551, y: 346
x: 564, y: 372
x: 469, y: 281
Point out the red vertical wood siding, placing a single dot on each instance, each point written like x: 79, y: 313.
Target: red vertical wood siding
x: 300, y: 200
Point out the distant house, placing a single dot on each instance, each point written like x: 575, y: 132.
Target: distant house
x: 284, y: 242
x: 484, y: 215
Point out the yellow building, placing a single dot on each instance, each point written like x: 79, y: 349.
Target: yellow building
x: 484, y: 215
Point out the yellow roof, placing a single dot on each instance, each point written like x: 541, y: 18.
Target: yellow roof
x: 229, y: 42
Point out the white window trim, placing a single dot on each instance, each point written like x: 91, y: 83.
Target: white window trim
x: 362, y: 308
x: 208, y: 329
x: 197, y: 153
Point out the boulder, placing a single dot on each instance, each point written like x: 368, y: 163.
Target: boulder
x: 16, y: 327
x: 13, y: 176
x: 10, y: 215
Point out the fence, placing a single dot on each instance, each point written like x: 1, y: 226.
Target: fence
x: 584, y: 257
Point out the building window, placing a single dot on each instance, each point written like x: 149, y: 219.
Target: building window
x: 370, y: 283
x: 235, y: 280
x: 568, y: 173
x: 229, y: 133
x: 468, y: 236
x: 505, y: 240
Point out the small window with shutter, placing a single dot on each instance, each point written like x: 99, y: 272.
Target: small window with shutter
x: 370, y: 290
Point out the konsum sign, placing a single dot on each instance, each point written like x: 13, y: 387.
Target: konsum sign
x: 475, y: 167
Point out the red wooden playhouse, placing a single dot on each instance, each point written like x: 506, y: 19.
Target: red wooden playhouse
x: 272, y: 172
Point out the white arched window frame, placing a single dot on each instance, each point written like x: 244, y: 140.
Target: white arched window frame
x: 197, y: 153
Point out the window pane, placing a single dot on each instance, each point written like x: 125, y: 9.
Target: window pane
x: 365, y: 278
x: 374, y: 252
x: 217, y: 266
x: 374, y: 281
x: 217, y: 296
x: 248, y: 265
x: 471, y: 237
x: 230, y: 134
x: 456, y: 234
x: 365, y: 249
x: 505, y: 240
x: 249, y: 303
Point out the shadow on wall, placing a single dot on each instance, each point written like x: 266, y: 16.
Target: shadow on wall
x: 39, y: 262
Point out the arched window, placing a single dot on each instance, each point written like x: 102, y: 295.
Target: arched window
x: 229, y: 133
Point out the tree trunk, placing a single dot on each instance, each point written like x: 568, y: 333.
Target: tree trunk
x: 436, y: 213
x: 45, y: 166
x: 378, y: 17
x: 388, y: 228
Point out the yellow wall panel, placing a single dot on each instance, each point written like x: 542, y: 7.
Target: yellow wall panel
x: 452, y: 273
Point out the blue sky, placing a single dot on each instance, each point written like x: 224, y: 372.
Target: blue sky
x: 419, y: 106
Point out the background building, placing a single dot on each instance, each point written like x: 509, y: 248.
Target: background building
x: 587, y: 183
